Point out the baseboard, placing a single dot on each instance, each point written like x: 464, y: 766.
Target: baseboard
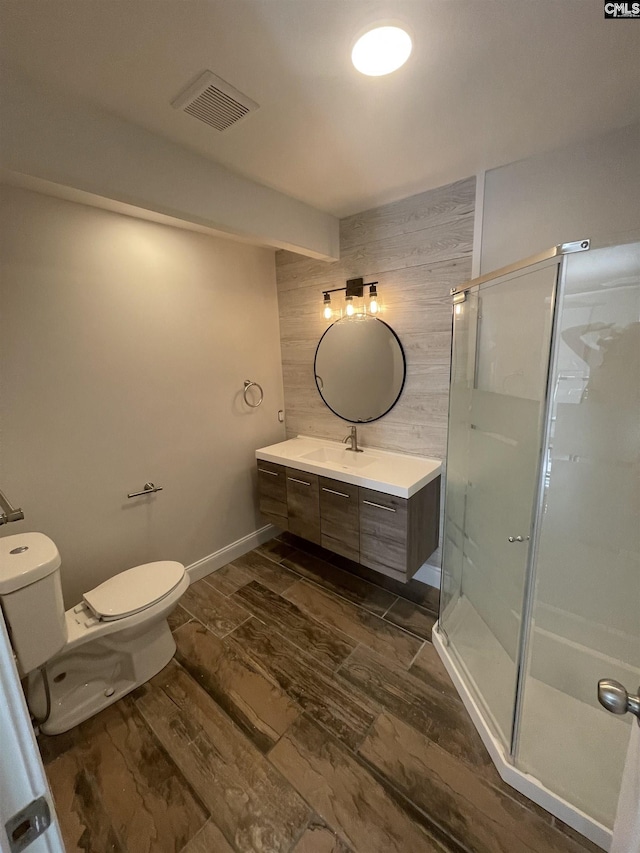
x: 225, y: 555
x: 518, y: 779
x: 428, y: 574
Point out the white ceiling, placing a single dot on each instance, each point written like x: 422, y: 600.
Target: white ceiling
x: 489, y: 82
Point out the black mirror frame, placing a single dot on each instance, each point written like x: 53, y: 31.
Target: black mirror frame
x: 404, y: 375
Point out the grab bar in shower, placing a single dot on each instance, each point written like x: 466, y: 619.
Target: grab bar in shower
x: 9, y: 512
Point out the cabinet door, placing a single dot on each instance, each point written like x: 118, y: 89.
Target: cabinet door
x: 339, y: 524
x: 272, y: 492
x: 383, y: 533
x: 303, y: 504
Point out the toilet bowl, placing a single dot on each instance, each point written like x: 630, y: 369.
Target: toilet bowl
x: 94, y: 653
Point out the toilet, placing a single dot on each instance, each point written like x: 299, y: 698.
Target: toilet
x: 94, y: 653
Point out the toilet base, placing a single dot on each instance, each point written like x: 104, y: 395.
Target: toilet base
x: 94, y: 675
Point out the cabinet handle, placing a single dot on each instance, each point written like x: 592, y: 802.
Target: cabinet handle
x: 302, y: 482
x: 379, y: 506
x: 333, y: 492
x: 264, y: 471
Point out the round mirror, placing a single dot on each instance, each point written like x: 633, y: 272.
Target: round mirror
x: 360, y: 368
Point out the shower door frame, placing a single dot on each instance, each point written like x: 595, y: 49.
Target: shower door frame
x: 528, y: 597
x: 556, y: 253
x: 548, y: 258
x: 503, y: 759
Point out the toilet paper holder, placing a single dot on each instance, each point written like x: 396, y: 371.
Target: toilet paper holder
x: 148, y: 489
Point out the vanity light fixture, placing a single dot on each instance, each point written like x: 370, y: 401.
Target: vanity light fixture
x: 381, y: 50
x: 354, y: 288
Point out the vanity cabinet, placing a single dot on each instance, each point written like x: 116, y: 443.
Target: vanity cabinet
x: 272, y: 491
x: 339, y: 514
x: 397, y: 534
x: 389, y: 534
x: 303, y: 504
x: 383, y: 531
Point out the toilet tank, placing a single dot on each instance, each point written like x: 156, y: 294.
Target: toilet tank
x: 31, y: 598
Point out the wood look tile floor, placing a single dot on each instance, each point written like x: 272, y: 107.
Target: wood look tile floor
x: 305, y: 711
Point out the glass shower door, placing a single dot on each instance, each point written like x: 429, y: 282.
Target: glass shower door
x: 500, y: 360
x: 586, y: 600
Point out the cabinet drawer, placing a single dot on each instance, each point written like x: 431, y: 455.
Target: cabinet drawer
x: 383, y: 531
x: 272, y: 492
x: 303, y: 504
x: 339, y: 515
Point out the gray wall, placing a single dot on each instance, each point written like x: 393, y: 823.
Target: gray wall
x: 74, y: 147
x: 591, y: 189
x: 123, y: 349
x: 417, y: 249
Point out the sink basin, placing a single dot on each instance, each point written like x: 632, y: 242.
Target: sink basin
x: 392, y: 473
x: 337, y: 456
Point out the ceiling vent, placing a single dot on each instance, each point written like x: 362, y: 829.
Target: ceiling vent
x: 211, y: 100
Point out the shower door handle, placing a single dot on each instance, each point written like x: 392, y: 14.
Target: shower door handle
x: 613, y: 696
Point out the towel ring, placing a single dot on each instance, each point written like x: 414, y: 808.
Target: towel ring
x: 248, y: 384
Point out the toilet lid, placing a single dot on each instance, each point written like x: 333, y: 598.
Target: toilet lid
x: 134, y: 589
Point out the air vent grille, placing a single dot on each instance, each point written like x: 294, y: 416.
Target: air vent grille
x: 213, y: 101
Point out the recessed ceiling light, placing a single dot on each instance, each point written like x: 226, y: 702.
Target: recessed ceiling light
x: 381, y: 51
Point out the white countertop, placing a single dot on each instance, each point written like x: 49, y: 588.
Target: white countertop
x: 393, y: 473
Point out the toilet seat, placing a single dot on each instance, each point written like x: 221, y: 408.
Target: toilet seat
x: 134, y: 590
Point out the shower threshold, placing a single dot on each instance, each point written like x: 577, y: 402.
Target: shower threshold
x: 523, y: 782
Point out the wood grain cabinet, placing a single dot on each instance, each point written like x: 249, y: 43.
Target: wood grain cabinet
x: 339, y: 514
x: 272, y: 493
x: 383, y: 532
x: 303, y: 504
x: 389, y: 534
x: 396, y: 534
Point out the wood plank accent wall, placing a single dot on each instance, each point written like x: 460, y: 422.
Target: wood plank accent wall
x: 417, y: 249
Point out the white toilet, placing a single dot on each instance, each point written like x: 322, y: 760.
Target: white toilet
x: 114, y: 640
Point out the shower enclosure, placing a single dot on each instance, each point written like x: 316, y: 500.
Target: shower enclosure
x: 541, y: 565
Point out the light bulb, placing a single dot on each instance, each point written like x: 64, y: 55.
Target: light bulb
x: 381, y: 51
x: 327, y: 312
x: 350, y: 309
x: 373, y: 298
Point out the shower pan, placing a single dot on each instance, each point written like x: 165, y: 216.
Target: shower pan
x: 540, y: 592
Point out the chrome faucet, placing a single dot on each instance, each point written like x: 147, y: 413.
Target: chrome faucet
x: 353, y: 438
